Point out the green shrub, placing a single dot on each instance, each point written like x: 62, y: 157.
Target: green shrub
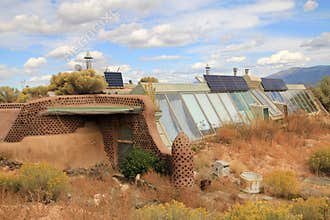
x: 172, y: 211
x: 281, y: 183
x: 162, y: 166
x: 138, y: 161
x: 260, y: 211
x: 312, y: 208
x: 319, y: 162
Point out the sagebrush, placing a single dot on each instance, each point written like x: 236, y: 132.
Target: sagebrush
x: 281, y: 183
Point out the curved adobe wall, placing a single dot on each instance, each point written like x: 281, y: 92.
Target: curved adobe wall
x: 30, y: 122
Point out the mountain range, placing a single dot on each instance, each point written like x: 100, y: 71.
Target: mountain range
x: 303, y: 75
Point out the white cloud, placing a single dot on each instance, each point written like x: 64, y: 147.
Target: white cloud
x: 310, y: 5
x: 161, y: 58
x: 283, y: 57
x: 242, y: 46
x: 6, y: 72
x: 40, y: 79
x: 321, y: 42
x: 198, y: 65
x: 28, y: 24
x: 135, y: 35
x: 34, y: 63
x: 80, y: 11
x: 185, y: 29
x: 121, y: 67
x: 270, y: 6
x: 236, y: 59
x: 60, y: 52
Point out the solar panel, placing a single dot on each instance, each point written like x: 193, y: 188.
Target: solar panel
x: 114, y: 79
x: 219, y: 83
x: 273, y: 84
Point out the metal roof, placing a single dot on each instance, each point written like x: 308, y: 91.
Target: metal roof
x: 295, y: 86
x: 179, y: 87
x: 273, y: 84
x: 91, y: 110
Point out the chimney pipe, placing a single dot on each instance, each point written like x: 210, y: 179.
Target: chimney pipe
x: 207, y: 69
x: 235, y: 69
x: 247, y: 71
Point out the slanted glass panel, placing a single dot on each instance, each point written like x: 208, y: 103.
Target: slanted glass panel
x: 240, y: 106
x: 292, y: 107
x: 196, y: 113
x: 230, y: 107
x: 270, y: 96
x: 303, y: 101
x: 247, y: 100
x: 186, y: 122
x: 294, y: 99
x: 310, y: 100
x: 208, y: 110
x: 278, y: 97
x: 167, y: 119
x: 273, y: 110
x: 219, y: 107
x: 275, y: 96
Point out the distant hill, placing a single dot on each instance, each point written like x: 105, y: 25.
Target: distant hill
x: 302, y: 75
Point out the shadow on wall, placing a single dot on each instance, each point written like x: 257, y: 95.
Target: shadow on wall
x: 83, y: 148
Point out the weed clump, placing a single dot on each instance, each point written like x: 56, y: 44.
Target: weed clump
x: 36, y: 182
x: 172, y: 210
x: 312, y: 208
x: 260, y: 210
x: 282, y: 184
x: 319, y: 162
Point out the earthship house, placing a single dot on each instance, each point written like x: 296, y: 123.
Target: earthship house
x: 124, y: 121
x: 75, y: 131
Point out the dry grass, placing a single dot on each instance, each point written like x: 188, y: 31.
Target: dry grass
x: 290, y: 132
x: 237, y: 167
x: 267, y: 145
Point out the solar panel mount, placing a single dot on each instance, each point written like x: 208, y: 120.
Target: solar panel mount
x: 114, y: 79
x: 221, y: 83
x: 273, y: 84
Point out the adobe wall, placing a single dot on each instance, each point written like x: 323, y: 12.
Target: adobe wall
x: 30, y: 122
x: 82, y: 149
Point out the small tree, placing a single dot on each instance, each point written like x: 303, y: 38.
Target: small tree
x: 82, y: 82
x: 8, y: 94
x: 322, y: 92
x: 149, y: 79
x: 30, y: 93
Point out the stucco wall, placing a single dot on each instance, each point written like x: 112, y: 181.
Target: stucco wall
x: 83, y: 148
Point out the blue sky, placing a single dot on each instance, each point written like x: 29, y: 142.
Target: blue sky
x: 172, y: 40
